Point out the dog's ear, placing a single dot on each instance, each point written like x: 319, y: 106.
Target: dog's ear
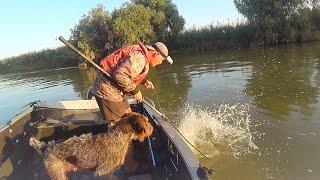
x: 135, y: 125
x: 141, y: 126
x: 126, y: 115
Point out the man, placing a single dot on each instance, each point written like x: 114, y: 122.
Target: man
x: 128, y: 67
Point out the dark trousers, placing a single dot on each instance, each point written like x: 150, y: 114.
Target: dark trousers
x: 112, y: 110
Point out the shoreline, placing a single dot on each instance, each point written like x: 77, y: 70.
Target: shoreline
x: 174, y: 53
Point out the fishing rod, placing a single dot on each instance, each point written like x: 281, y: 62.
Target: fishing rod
x: 165, y: 118
x: 107, y: 75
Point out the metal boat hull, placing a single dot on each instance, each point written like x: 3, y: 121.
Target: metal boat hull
x: 63, y: 119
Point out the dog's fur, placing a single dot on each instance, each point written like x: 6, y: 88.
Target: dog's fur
x: 102, y: 153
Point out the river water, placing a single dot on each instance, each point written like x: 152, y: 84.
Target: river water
x: 254, y: 112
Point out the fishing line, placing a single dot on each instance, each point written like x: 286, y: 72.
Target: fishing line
x: 162, y: 114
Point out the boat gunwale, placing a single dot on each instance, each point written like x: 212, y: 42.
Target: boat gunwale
x: 191, y: 161
x: 187, y: 155
x: 17, y: 118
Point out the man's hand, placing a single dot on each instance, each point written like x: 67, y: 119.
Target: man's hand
x: 138, y: 96
x: 148, y: 84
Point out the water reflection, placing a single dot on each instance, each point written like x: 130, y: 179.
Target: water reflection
x: 283, y: 80
x: 280, y: 86
x: 175, y: 83
x: 16, y: 90
x: 171, y: 88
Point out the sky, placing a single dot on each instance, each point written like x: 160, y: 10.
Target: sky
x: 35, y: 24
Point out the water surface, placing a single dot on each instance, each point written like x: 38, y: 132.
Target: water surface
x: 254, y: 112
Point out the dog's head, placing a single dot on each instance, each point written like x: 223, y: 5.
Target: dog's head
x: 140, y: 125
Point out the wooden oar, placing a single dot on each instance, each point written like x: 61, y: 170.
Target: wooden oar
x: 82, y: 55
x: 105, y: 73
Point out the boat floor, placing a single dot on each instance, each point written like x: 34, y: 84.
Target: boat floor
x: 92, y: 122
x: 58, y: 125
x: 50, y: 129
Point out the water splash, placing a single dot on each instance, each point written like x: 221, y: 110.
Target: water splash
x: 223, y: 130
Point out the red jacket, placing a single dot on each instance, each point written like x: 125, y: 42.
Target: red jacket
x: 112, y: 61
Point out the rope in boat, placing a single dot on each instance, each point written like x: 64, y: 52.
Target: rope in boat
x: 162, y: 114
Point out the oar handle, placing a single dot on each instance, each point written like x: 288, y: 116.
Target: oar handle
x: 84, y: 56
x: 105, y: 73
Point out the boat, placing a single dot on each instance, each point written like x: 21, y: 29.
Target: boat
x: 169, y: 156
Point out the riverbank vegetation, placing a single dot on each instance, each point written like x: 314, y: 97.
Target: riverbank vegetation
x: 266, y: 23
x: 42, y: 60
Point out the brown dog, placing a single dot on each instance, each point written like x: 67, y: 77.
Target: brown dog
x: 102, y: 153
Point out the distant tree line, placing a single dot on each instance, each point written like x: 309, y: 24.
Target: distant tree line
x: 268, y: 22
x: 100, y: 32
x: 45, y: 59
x: 281, y: 21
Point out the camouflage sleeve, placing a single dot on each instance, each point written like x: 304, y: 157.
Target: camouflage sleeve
x: 131, y: 67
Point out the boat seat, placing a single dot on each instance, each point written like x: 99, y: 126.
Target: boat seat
x: 85, y: 117
x: 52, y: 121
x: 75, y: 126
x: 141, y: 177
x: 79, y: 119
